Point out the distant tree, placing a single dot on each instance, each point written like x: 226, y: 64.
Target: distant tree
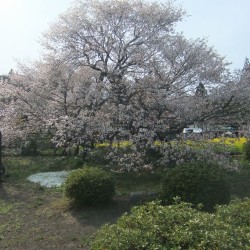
x: 246, y: 65
x: 201, y: 90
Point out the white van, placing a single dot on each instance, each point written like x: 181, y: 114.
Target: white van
x: 192, y: 130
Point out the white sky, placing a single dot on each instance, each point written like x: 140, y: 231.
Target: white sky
x: 225, y: 24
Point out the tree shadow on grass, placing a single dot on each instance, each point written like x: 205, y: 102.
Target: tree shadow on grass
x: 97, y: 216
x: 3, y: 194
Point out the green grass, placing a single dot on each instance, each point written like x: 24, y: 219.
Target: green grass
x: 19, y: 168
x: 129, y: 182
x: 9, y: 220
x: 5, y: 208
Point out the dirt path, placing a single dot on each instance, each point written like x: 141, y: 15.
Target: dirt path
x: 35, y: 218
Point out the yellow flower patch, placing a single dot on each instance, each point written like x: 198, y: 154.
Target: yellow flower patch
x: 237, y: 143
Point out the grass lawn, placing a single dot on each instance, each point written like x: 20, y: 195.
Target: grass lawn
x: 33, y: 217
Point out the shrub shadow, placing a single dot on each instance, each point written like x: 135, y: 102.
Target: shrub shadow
x: 97, y: 216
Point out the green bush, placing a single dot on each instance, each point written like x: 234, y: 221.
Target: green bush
x: 178, y: 226
x: 29, y: 148
x: 237, y: 213
x: 196, y: 183
x: 246, y: 150
x: 89, y: 186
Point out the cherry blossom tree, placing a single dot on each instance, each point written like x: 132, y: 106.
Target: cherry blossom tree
x: 138, y: 56
x: 115, y: 70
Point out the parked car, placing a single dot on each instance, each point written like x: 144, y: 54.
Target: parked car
x: 188, y: 131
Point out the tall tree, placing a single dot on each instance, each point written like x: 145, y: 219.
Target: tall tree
x: 118, y: 69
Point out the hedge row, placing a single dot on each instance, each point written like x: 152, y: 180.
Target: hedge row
x: 178, y: 226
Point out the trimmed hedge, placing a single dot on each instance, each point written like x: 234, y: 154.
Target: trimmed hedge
x: 177, y: 226
x: 196, y: 183
x: 89, y: 186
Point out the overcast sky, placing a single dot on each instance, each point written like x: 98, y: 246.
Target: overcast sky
x: 224, y: 23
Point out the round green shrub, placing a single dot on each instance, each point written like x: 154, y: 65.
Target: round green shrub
x: 237, y: 213
x: 196, y: 183
x: 177, y: 226
x: 89, y: 186
x: 246, y: 150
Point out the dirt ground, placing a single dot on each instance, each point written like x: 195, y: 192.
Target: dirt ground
x: 34, y: 218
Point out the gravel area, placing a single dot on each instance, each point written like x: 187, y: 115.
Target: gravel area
x: 49, y: 179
